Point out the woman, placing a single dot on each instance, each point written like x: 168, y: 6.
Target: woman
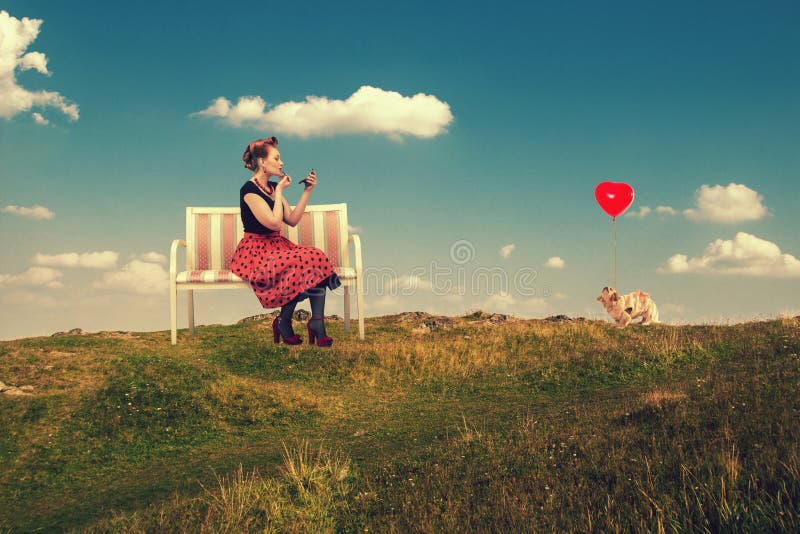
x: 280, y: 272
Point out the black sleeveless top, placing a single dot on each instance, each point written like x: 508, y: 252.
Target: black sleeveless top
x: 249, y: 220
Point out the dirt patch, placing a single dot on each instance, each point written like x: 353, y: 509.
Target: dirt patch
x: 118, y: 335
x: 660, y: 398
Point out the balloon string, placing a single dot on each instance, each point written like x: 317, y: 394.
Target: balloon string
x: 615, y: 251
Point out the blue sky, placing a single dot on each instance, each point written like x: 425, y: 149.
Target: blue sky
x: 695, y: 106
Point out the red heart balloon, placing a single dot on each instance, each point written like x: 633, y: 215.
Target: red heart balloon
x: 614, y: 197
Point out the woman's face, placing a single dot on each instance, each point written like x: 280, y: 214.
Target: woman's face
x: 272, y: 164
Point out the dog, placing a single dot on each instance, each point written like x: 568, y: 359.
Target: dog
x: 625, y: 308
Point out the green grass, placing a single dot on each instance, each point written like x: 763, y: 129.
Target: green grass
x: 524, y: 426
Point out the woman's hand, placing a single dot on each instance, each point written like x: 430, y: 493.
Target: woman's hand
x: 311, y: 180
x: 285, y: 182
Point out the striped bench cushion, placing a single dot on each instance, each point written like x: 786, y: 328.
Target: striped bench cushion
x: 345, y: 273
x: 207, y: 276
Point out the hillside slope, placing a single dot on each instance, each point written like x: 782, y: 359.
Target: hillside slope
x: 431, y: 424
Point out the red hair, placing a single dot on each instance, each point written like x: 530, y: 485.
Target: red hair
x: 257, y: 149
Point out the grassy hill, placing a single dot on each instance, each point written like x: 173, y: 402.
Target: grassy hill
x: 431, y: 424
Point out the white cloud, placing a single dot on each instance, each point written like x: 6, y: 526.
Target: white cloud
x: 407, y: 284
x: 34, y: 276
x: 15, y: 37
x: 666, y: 210
x: 248, y: 109
x: 36, y: 212
x: 507, y: 250
x: 412, y: 292
x: 37, y: 117
x: 152, y: 257
x: 727, y: 204
x: 643, y: 212
x: 144, y: 278
x: 87, y: 260
x: 678, y: 263
x: 370, y: 110
x: 34, y: 61
x: 745, y: 254
x: 555, y: 263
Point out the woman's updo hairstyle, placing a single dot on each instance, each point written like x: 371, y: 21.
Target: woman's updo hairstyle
x: 257, y: 149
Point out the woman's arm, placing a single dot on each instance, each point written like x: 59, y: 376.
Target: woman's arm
x: 271, y: 218
x: 293, y: 216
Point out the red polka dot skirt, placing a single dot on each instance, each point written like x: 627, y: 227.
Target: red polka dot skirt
x: 279, y: 270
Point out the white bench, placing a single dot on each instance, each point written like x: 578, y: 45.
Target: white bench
x: 211, y: 238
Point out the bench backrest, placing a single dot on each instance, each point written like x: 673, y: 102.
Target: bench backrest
x: 213, y: 233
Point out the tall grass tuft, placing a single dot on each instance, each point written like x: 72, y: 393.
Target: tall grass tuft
x: 311, y: 490
x: 238, y: 502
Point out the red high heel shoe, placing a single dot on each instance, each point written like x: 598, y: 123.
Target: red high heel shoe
x: 277, y: 336
x: 321, y: 341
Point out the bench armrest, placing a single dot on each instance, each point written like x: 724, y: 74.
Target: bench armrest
x: 173, y: 256
x: 356, y: 240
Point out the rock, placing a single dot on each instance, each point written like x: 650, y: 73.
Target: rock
x: 260, y: 317
x: 558, y: 319
x: 421, y: 330
x: 497, y: 318
x: 73, y: 332
x: 424, y: 320
x: 490, y: 318
x: 299, y: 315
x: 27, y: 388
x: 414, y: 316
x: 441, y: 322
x: 478, y: 314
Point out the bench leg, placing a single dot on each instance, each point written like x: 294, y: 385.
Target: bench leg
x: 190, y: 303
x: 360, y: 302
x: 173, y: 311
x: 346, y: 308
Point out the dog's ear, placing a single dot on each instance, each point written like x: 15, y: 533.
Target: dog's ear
x: 614, y: 297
